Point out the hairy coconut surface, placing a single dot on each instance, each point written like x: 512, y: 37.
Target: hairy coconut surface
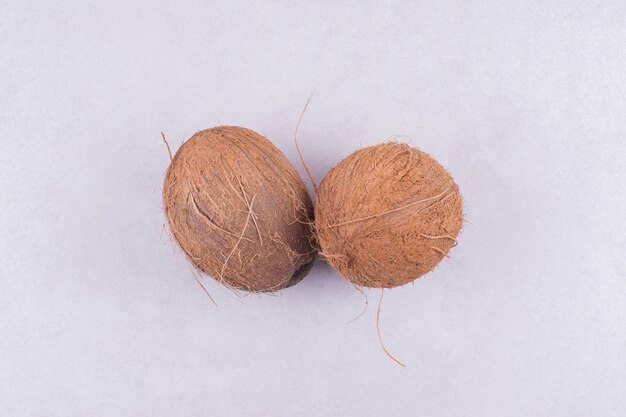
x: 239, y: 210
x: 386, y: 215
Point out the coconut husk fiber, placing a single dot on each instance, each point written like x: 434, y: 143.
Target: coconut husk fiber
x: 239, y: 210
x: 386, y: 215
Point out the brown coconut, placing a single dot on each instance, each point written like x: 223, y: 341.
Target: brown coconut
x: 386, y: 215
x: 239, y: 210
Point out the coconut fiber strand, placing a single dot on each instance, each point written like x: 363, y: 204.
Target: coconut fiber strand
x: 386, y: 215
x: 239, y: 210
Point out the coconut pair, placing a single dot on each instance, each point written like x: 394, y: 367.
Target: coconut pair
x: 384, y: 216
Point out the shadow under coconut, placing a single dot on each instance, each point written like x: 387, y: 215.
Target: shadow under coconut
x: 322, y: 276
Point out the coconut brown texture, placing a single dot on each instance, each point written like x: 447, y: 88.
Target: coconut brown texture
x: 239, y: 210
x: 387, y: 215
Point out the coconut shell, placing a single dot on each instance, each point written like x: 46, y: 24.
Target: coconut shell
x: 239, y: 210
x: 386, y: 215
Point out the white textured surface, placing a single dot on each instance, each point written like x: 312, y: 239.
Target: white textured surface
x: 524, y: 102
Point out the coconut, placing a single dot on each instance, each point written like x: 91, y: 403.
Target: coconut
x: 386, y: 215
x: 239, y: 210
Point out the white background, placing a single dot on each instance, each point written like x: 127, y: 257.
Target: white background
x: 523, y: 102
